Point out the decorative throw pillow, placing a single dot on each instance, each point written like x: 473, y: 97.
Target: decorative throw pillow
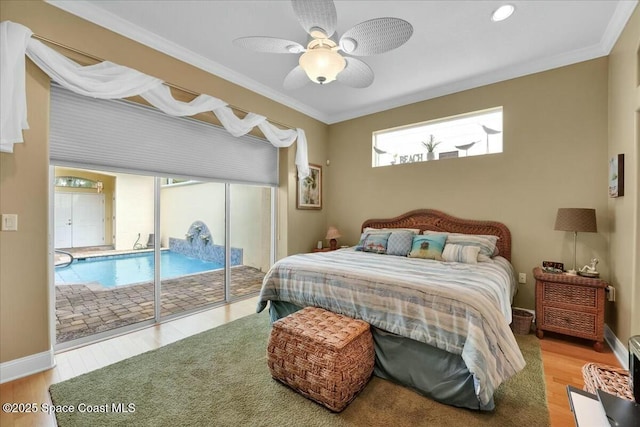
x: 428, y: 246
x: 376, y: 243
x: 400, y: 242
x: 367, y: 232
x: 460, y: 253
x: 486, y: 243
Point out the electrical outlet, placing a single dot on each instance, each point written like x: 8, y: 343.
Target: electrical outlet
x: 611, y: 293
x: 522, y: 278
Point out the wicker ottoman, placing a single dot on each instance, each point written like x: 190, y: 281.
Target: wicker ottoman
x: 607, y: 378
x: 326, y: 357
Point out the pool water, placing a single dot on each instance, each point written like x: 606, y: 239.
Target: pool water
x: 119, y: 270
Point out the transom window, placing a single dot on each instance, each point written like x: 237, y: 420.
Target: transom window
x: 76, y: 182
x: 472, y: 134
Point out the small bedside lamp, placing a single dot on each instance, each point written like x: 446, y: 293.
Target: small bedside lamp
x: 576, y: 219
x: 332, y: 235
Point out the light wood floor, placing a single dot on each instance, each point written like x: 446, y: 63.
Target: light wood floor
x: 563, y: 359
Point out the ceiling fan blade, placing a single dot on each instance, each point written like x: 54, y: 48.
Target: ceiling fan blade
x: 269, y: 44
x: 356, y: 74
x: 376, y: 36
x: 318, y: 17
x: 296, y: 79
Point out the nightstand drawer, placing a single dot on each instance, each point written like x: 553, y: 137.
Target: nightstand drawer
x: 575, y: 295
x: 570, y: 322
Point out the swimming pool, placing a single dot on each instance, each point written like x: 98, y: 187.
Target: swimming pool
x: 120, y: 270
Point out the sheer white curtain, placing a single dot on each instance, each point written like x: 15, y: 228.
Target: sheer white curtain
x: 13, y: 99
x: 107, y: 80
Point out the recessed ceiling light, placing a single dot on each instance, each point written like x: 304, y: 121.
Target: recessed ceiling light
x: 503, y: 12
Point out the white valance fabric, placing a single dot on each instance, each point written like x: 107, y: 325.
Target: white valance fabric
x: 13, y: 97
x: 107, y: 80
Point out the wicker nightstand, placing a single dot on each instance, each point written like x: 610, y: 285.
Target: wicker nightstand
x: 571, y: 305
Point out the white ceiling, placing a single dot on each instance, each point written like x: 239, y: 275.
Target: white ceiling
x: 455, y: 45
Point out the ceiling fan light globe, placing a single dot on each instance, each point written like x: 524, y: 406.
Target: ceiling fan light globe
x: 322, y: 65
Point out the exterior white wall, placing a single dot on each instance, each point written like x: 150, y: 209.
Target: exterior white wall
x: 251, y: 224
x: 133, y: 201
x: 181, y: 205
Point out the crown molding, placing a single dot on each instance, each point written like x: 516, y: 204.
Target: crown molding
x: 616, y: 25
x: 108, y: 20
x: 487, y: 78
x: 100, y: 17
x: 620, y: 17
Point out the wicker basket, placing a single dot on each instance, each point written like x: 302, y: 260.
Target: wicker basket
x: 521, y: 323
x: 607, y: 378
x: 324, y: 356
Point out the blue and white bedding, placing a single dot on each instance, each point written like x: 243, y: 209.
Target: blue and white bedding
x: 461, y: 308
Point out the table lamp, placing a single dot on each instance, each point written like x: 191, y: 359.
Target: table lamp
x: 576, y: 219
x: 332, y: 235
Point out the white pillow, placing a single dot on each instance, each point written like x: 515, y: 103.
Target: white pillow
x: 460, y: 253
x: 413, y: 230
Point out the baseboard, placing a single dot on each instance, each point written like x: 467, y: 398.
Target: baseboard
x: 18, y: 368
x: 619, y: 349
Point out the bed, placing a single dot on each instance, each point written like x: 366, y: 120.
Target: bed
x: 440, y: 328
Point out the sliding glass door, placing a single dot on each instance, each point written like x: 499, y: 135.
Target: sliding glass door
x: 104, y: 269
x: 251, y: 237
x: 172, y: 246
x: 192, y: 236
x: 180, y: 244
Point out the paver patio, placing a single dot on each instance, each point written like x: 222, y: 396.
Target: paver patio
x: 86, y: 309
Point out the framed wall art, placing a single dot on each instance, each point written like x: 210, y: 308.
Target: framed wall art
x: 309, y: 191
x: 616, y: 176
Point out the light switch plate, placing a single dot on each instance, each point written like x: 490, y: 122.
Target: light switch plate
x: 9, y: 222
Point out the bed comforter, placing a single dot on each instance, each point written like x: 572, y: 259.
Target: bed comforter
x: 463, y: 309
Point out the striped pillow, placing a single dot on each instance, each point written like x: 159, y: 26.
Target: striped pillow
x: 460, y: 253
x: 486, y: 243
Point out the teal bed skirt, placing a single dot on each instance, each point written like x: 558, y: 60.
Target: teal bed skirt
x: 430, y: 371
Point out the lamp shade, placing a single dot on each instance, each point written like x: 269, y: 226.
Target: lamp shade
x: 576, y: 219
x: 333, y: 233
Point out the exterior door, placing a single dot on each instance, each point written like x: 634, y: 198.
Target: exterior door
x: 79, y: 220
x: 63, y: 207
x: 88, y: 220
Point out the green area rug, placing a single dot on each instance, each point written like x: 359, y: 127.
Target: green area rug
x: 220, y: 378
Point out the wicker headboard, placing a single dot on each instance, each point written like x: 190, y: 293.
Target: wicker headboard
x: 429, y: 219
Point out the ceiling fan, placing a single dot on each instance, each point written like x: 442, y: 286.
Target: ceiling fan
x: 321, y: 61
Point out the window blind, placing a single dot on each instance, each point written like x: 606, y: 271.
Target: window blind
x: 120, y: 134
